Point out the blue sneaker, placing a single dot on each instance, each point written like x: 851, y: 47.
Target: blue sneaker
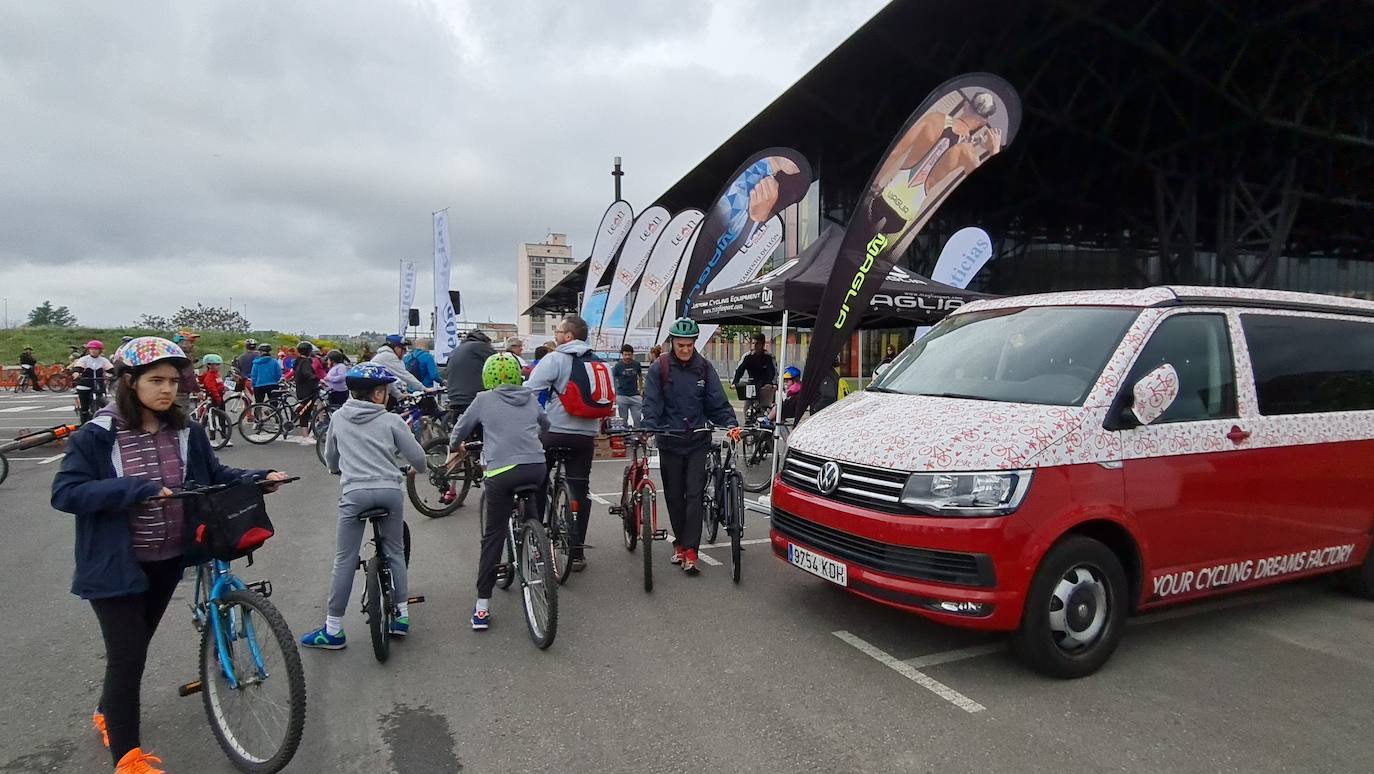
x: 320, y: 638
x: 400, y: 627
x: 481, y: 620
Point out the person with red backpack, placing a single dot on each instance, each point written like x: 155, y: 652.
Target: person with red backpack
x: 580, y: 396
x: 682, y: 393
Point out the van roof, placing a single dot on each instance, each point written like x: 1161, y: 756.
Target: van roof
x: 1182, y: 295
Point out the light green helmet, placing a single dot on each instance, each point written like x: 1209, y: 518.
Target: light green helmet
x: 501, y: 368
x: 212, y: 359
x: 684, y: 328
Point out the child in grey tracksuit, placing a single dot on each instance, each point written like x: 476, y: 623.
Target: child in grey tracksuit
x: 364, y: 442
x: 511, y: 421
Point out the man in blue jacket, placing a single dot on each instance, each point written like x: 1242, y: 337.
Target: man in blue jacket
x: 681, y: 394
x: 420, y: 362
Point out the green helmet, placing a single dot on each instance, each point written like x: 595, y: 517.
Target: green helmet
x: 684, y: 328
x: 212, y: 359
x: 501, y: 368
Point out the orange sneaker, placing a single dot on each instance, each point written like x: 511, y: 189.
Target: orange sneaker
x: 98, y: 720
x: 136, y: 761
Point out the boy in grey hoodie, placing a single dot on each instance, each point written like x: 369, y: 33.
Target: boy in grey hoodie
x: 364, y: 442
x: 575, y: 434
x: 511, y: 422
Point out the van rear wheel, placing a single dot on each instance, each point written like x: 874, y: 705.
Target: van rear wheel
x: 1360, y: 580
x: 1075, y: 610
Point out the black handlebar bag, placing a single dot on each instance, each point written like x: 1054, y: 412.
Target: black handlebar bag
x: 229, y: 523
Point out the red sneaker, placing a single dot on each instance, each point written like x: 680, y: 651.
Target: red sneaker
x: 689, y: 562
x: 679, y: 553
x: 448, y: 497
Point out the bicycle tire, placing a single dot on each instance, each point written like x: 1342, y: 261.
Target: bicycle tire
x: 59, y: 382
x: 710, y: 500
x: 216, y: 693
x: 734, y: 500
x: 261, y: 425
x: 4, y: 468
x: 427, y: 502
x: 377, y: 608
x: 235, y: 406
x: 217, y: 428
x: 561, y: 532
x: 533, y: 562
x: 319, y: 451
x: 646, y: 507
x: 405, y: 541
x: 757, y: 461
x: 629, y: 527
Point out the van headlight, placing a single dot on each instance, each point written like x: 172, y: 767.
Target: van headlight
x: 966, y: 494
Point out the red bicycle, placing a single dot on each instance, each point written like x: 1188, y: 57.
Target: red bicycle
x: 638, y: 509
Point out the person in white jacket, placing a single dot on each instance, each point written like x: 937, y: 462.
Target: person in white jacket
x: 389, y: 357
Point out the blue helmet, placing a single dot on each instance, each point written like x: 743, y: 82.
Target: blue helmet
x: 396, y: 340
x: 791, y: 372
x: 366, y: 376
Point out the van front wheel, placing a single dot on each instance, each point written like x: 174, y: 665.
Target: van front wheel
x: 1075, y: 610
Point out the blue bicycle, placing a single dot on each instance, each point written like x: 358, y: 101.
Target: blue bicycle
x: 251, y: 677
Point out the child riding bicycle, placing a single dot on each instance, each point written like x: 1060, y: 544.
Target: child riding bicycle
x: 364, y: 441
x: 511, y: 420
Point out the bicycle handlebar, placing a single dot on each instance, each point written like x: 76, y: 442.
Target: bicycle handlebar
x: 212, y: 488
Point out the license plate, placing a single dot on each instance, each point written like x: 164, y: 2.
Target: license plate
x: 829, y: 569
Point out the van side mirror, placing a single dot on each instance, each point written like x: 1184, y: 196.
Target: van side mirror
x: 1154, y: 394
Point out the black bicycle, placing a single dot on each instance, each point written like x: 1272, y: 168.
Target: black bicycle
x: 529, y: 559
x: 440, y: 489
x: 562, y: 514
x: 379, y: 594
x: 722, y: 500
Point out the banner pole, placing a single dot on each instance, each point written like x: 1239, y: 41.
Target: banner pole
x: 861, y: 358
x: 777, y: 401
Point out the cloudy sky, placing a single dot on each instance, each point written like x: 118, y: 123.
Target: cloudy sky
x: 287, y: 155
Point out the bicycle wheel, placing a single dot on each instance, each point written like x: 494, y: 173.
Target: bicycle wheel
x: 537, y: 582
x: 426, y: 489
x: 234, y: 407
x: 734, y: 519
x: 59, y: 382
x: 258, y: 715
x: 710, y: 502
x: 756, y: 450
x: 377, y: 607
x: 319, y: 450
x: 217, y: 428
x: 4, y: 468
x: 261, y: 425
x: 646, y: 512
x: 629, y: 526
x: 561, y: 526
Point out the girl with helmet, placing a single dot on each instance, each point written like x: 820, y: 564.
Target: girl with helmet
x: 129, y: 547
x: 511, y: 422
x: 363, y: 444
x: 212, y: 383
x: 90, y: 370
x: 265, y: 374
x: 791, y: 385
x: 335, y: 380
x: 308, y: 373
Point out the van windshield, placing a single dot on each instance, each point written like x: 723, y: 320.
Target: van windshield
x: 1046, y: 354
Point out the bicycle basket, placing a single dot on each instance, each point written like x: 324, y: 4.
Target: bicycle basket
x: 230, y: 523
x: 746, y: 391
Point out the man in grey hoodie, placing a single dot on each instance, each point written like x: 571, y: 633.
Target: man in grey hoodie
x: 364, y: 441
x: 576, y: 436
x: 511, y: 420
x: 389, y: 357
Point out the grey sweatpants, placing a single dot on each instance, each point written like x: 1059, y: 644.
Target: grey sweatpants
x: 627, y: 407
x: 350, y: 540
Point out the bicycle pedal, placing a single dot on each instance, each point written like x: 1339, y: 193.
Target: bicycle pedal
x: 660, y: 534
x: 415, y: 600
x: 616, y: 510
x: 194, y: 686
x: 263, y: 587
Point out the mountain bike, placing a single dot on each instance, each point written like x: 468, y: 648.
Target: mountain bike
x: 440, y: 489
x: 529, y: 557
x: 251, y: 679
x: 722, y: 500
x: 213, y: 420
x: 758, y: 444
x: 638, y: 508
x: 265, y: 421
x: 379, y: 602
x: 561, y: 520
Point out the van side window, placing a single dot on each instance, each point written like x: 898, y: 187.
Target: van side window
x: 1305, y: 365
x: 1199, y: 348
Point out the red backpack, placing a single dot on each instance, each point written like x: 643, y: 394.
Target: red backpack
x: 590, y: 393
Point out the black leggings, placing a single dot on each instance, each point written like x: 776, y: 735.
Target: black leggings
x: 127, y: 624
x: 684, y: 479
x: 498, y: 495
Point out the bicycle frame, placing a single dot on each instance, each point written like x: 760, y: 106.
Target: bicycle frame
x: 222, y: 582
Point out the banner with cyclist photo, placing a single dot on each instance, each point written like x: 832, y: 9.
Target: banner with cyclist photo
x: 760, y: 246
x: 615, y: 226
x: 647, y: 310
x: 767, y: 183
x: 628, y: 266
x: 960, y: 125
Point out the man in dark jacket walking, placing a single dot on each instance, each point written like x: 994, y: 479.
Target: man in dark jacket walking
x: 682, y: 393
x: 464, y: 374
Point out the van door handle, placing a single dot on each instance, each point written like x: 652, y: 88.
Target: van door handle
x: 1237, y: 435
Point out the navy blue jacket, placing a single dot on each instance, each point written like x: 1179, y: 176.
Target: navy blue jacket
x: 689, y: 396
x: 88, y: 487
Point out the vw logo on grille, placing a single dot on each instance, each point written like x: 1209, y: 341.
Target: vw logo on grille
x: 828, y: 478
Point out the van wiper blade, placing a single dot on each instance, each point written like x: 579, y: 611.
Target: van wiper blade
x: 883, y: 389
x: 954, y: 395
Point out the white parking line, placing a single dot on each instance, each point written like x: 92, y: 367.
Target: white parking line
x: 598, y: 498
x: 59, y: 408
x: 53, y: 458
x: 749, y: 542
x: 911, y: 673
x: 708, y: 560
x: 14, y: 409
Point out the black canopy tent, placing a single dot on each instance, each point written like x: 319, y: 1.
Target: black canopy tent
x: 790, y: 294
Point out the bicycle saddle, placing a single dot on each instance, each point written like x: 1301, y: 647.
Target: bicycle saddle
x: 373, y: 514
x: 527, y: 489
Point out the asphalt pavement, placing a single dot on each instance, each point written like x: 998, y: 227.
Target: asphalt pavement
x: 782, y: 672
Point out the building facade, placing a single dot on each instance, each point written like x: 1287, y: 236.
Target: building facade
x: 538, y: 267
